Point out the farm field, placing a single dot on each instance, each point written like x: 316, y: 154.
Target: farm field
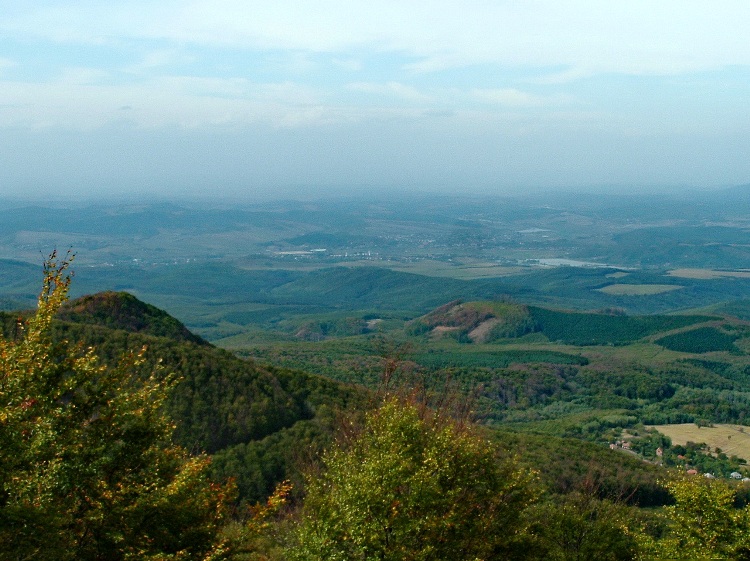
x: 707, y: 274
x: 733, y: 440
x: 638, y: 289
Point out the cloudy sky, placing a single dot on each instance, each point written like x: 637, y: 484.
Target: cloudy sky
x: 259, y: 98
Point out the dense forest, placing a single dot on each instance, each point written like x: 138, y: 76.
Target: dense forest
x: 125, y: 436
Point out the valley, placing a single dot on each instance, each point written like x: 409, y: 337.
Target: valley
x: 595, y: 382
x: 513, y: 304
x: 210, y: 264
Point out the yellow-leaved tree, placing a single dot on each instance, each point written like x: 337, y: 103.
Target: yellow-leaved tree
x: 703, y: 523
x: 87, y: 467
x: 414, y: 484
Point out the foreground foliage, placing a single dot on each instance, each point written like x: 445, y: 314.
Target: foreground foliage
x: 704, y: 524
x: 579, y: 526
x: 87, y: 469
x: 411, y: 484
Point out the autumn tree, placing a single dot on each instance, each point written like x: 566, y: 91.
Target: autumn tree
x: 87, y: 467
x: 413, y: 484
x: 703, y: 523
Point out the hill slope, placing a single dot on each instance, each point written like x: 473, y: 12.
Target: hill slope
x: 260, y: 423
x: 221, y: 401
x: 487, y: 322
x: 120, y: 310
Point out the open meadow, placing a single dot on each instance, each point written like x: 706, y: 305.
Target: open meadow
x: 733, y: 440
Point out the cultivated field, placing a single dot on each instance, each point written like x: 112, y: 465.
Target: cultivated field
x: 638, y: 289
x: 733, y: 440
x: 462, y: 271
x: 707, y: 274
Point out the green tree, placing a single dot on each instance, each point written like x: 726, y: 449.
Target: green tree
x: 87, y: 468
x: 416, y: 485
x: 703, y: 522
x: 579, y: 526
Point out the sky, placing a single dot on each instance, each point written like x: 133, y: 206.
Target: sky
x: 261, y: 99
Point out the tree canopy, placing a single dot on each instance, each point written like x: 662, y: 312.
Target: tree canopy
x: 87, y: 467
x: 704, y: 523
x: 413, y: 484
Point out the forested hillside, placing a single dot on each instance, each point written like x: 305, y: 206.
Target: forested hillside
x: 564, y: 427
x: 221, y: 404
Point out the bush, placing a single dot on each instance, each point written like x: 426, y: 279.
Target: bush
x: 413, y: 485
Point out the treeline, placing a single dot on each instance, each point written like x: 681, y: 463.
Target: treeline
x: 575, y: 328
x: 701, y: 340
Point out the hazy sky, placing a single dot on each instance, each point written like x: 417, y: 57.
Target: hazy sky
x: 222, y: 96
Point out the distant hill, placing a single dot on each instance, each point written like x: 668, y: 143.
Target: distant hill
x: 593, y: 328
x: 18, y: 283
x: 487, y: 321
x: 690, y: 245
x: 121, y: 310
x: 478, y: 322
x: 367, y: 287
x: 734, y: 195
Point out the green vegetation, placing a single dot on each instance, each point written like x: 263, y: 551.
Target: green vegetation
x: 579, y: 526
x: 704, y: 524
x: 701, y: 340
x: 439, y: 359
x: 539, y: 383
x: 222, y: 402
x: 638, y: 289
x: 413, y: 484
x: 694, y: 245
x: 602, y: 329
x: 487, y: 322
x: 120, y: 310
x: 365, y: 475
x: 87, y: 470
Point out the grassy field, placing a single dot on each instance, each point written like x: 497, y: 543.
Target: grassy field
x: 733, y: 440
x: 638, y: 289
x: 617, y: 275
x: 707, y: 274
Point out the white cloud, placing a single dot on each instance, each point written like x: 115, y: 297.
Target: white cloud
x: 172, y: 101
x: 288, y: 85
x: 391, y: 89
x: 511, y: 97
x: 507, y: 96
x: 580, y: 36
x: 82, y: 75
x: 349, y: 64
x: 161, y: 58
x: 6, y: 63
x: 78, y: 103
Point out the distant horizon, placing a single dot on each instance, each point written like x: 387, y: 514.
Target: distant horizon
x: 310, y: 193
